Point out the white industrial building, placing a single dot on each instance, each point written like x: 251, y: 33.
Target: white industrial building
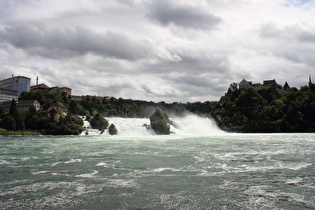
x: 7, y: 94
x: 18, y: 83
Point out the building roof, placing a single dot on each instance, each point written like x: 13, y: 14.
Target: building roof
x: 16, y: 77
x: 269, y: 82
x: 58, y: 104
x: 30, y: 101
x: 21, y: 77
x: 40, y: 86
x: 286, y: 85
x: 65, y: 88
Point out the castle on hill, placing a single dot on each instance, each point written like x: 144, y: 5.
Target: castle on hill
x: 269, y: 84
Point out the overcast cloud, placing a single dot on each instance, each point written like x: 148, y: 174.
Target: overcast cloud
x: 157, y: 50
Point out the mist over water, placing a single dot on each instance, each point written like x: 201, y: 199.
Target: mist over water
x: 192, y: 124
x: 195, y: 168
x: 188, y: 125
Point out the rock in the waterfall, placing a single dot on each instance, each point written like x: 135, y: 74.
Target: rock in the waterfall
x: 112, y: 130
x: 160, y: 123
x: 99, y: 122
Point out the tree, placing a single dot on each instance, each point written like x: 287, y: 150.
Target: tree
x: 67, y: 126
x: 8, y: 123
x: 99, y: 122
x: 13, y: 112
x: 74, y: 107
x: 160, y: 122
x: 17, y: 116
x: 2, y: 112
x: 31, y: 118
x: 250, y: 98
x: 233, y: 87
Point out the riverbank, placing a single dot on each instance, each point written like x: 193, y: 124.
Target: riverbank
x: 4, y: 132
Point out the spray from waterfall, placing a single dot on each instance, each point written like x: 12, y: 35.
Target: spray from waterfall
x: 188, y: 125
x: 195, y: 125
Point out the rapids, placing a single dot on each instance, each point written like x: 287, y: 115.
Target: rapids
x: 189, y: 125
x: 197, y: 167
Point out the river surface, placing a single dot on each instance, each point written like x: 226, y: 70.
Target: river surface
x: 185, y: 170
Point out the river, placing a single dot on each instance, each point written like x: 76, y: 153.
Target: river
x: 197, y: 167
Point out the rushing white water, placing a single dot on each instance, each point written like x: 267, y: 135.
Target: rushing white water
x: 189, y: 125
x: 194, y: 125
x: 178, y: 171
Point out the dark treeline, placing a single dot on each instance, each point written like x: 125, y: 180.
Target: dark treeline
x: 90, y: 105
x: 265, y: 110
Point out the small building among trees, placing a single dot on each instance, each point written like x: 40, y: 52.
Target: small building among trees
x: 267, y: 84
x: 56, y: 111
x: 22, y: 105
x: 42, y: 86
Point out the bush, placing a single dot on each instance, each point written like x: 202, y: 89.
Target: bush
x: 159, y: 123
x: 99, y: 122
x: 160, y: 127
x: 8, y: 123
x: 67, y: 126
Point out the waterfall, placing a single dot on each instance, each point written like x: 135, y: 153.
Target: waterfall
x: 195, y: 125
x: 189, y: 125
x: 131, y: 126
x: 88, y: 128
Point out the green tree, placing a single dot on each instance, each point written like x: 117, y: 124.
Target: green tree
x: 2, y: 112
x: 74, y: 107
x: 13, y: 112
x: 99, y: 122
x: 159, y: 122
x: 17, y: 116
x: 31, y: 118
x: 8, y: 122
x: 67, y: 126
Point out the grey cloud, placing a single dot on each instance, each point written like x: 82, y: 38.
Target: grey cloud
x: 196, y: 75
x: 166, y: 12
x: 307, y: 37
x: 68, y: 42
x: 127, y: 2
x: 292, y: 43
x: 191, y: 62
x: 293, y: 32
x: 269, y: 30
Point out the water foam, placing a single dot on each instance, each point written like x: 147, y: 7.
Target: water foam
x: 74, y: 161
x: 88, y: 175
x: 195, y: 125
x: 188, y: 125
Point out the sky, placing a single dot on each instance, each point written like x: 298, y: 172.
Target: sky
x: 157, y: 50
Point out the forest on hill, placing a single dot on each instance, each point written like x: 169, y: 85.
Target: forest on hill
x: 266, y: 110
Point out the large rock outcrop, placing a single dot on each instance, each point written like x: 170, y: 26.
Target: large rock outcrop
x: 112, y: 130
x: 160, y: 123
x: 99, y: 122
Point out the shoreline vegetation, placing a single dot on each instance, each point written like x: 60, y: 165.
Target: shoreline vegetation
x: 19, y: 133
x: 248, y: 110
